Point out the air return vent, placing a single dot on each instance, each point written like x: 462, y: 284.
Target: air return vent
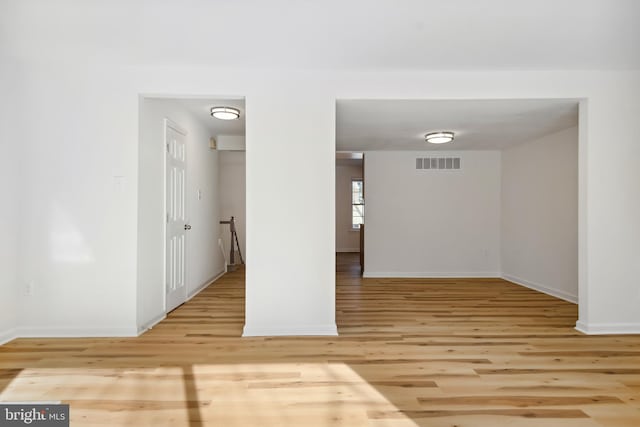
x: 438, y: 163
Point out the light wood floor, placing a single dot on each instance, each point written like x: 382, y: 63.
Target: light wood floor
x: 466, y: 353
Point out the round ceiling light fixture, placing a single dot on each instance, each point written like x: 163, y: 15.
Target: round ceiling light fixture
x: 439, y: 137
x: 225, y: 113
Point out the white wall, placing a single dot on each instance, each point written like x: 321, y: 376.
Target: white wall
x: 95, y: 141
x: 231, y: 142
x: 204, y: 258
x: 347, y: 240
x: 290, y: 211
x: 89, y: 134
x: 432, y: 223
x: 540, y: 214
x: 78, y: 221
x: 10, y: 182
x: 233, y: 199
x: 609, y: 209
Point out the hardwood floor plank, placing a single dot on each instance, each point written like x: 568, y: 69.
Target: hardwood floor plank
x: 411, y: 352
x: 524, y: 413
x: 517, y: 401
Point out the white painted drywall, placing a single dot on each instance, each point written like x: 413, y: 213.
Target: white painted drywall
x: 610, y: 235
x: 432, y: 223
x: 79, y: 198
x: 290, y: 211
x: 10, y: 188
x: 88, y: 84
x: 347, y: 239
x: 81, y: 144
x: 420, y: 35
x: 231, y: 142
x: 204, y: 259
x: 233, y: 198
x: 540, y: 214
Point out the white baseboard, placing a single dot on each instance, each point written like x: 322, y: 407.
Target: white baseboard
x: 206, y: 284
x: 88, y: 332
x: 8, y: 336
x: 287, y: 330
x: 74, y: 332
x: 541, y: 288
x: 150, y: 324
x: 607, y: 328
x: 429, y: 275
x: 348, y: 250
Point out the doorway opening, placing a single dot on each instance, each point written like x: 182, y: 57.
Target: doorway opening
x: 191, y: 183
x: 498, y: 201
x: 350, y: 212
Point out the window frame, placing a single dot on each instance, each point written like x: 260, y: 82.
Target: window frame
x: 356, y: 179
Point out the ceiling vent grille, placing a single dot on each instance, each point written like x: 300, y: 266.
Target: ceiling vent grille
x: 451, y: 163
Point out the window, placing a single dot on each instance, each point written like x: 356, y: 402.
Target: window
x: 357, y: 203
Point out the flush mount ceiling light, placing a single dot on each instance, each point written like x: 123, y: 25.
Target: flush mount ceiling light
x: 439, y: 137
x: 225, y: 113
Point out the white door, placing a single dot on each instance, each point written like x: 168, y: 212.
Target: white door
x: 176, y: 215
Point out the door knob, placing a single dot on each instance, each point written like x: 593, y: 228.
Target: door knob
x: 187, y: 227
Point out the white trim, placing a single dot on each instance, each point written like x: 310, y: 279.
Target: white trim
x: 205, y: 285
x: 150, y: 324
x: 286, y: 330
x: 8, y: 336
x: 607, y: 328
x: 352, y: 228
x: 161, y: 317
x: 348, y: 250
x: 541, y: 288
x: 583, y: 241
x: 430, y: 275
x: 74, y: 332
x: 173, y: 125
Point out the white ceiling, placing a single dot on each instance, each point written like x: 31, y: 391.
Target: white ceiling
x: 363, y: 125
x: 200, y: 108
x: 329, y: 34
